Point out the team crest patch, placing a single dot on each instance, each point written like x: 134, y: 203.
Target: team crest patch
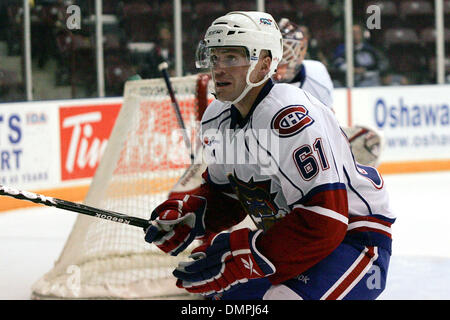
x: 257, y: 201
x: 291, y: 120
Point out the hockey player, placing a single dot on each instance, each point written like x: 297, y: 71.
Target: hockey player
x: 312, y: 76
x: 323, y: 220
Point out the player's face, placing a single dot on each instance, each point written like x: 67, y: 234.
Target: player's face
x: 229, y: 70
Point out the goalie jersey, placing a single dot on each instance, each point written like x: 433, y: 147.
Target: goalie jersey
x: 314, y: 78
x: 291, y: 169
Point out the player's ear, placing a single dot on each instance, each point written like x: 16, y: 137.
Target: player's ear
x: 262, y: 68
x: 266, y: 61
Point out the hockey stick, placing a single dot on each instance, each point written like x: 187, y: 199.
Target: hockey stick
x: 72, y: 206
x: 163, y: 68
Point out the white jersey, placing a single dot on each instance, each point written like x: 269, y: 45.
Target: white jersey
x: 314, y: 78
x: 305, y: 166
x: 316, y: 136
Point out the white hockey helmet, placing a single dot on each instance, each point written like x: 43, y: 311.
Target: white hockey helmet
x: 252, y: 30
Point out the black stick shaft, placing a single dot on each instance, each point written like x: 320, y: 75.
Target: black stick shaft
x: 72, y: 206
x: 163, y: 68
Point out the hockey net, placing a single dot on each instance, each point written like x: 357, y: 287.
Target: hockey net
x: 143, y: 160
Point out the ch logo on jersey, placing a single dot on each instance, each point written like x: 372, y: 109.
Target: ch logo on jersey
x: 291, y: 120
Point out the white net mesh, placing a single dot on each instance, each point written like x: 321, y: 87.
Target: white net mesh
x: 144, y: 158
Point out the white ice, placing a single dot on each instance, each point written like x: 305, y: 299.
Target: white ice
x: 32, y: 239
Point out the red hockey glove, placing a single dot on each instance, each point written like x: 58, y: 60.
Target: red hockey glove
x: 231, y: 259
x: 176, y: 223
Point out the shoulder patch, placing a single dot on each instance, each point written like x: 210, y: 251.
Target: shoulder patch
x: 291, y: 120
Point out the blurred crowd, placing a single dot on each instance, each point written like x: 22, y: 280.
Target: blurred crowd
x: 139, y: 34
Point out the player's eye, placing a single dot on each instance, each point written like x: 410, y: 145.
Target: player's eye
x: 231, y: 61
x: 214, y: 60
x: 225, y: 61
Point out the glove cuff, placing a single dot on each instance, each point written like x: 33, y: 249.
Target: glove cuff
x: 200, y: 213
x: 265, y: 264
x: 245, y: 239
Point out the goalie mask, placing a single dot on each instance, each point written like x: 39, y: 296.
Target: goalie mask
x: 245, y: 34
x: 294, y: 46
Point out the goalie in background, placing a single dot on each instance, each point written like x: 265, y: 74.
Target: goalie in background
x: 323, y: 222
x: 312, y: 76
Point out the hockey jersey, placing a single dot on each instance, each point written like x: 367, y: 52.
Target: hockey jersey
x: 314, y: 78
x: 290, y: 167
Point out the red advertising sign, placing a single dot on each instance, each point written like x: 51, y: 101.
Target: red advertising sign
x: 84, y: 132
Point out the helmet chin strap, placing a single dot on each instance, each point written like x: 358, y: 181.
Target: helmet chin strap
x: 249, y: 85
